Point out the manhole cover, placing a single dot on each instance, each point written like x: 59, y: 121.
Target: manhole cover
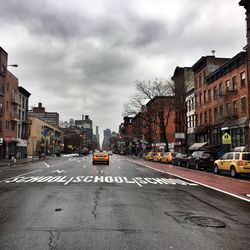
x: 205, y: 221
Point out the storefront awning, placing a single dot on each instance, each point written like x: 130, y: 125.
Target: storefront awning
x: 197, y: 146
x: 21, y: 143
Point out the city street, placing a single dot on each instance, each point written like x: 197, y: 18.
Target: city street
x: 68, y: 203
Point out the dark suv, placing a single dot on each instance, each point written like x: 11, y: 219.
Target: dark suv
x: 200, y: 159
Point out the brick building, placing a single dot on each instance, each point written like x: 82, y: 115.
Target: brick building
x: 10, y: 115
x: 246, y: 5
x: 202, y: 94
x: 227, y: 105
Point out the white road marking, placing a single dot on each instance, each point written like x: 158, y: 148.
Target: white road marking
x: 84, y: 166
x: 59, y: 171
x: 46, y: 164
x: 17, y: 176
x: 140, y: 181
x: 225, y: 192
x: 118, y: 166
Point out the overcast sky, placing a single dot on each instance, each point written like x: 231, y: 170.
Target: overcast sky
x: 83, y: 57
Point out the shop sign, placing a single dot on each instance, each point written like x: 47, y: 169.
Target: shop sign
x: 226, y: 139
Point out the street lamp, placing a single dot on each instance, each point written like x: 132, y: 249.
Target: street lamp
x: 12, y: 65
x: 4, y: 68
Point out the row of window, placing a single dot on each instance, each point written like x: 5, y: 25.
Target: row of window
x: 207, y: 94
x: 224, y: 110
x: 207, y: 115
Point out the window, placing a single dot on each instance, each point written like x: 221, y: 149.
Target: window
x: 8, y: 86
x: 201, y: 119
x: 200, y: 79
x: 205, y: 117
x: 220, y: 89
x: 205, y: 96
x: 196, y: 82
x: 12, y: 126
x: 228, y: 108
x: 210, y: 115
x: 235, y: 106
x: 243, y: 78
x: 230, y: 156
x: 192, y: 121
x: 209, y: 95
x: 7, y: 105
x: 237, y: 156
x: 215, y: 93
x: 227, y: 86
x: 221, y: 111
x: 204, y: 75
x: 196, y: 100
x: 234, y: 83
x: 7, y: 125
x: 243, y: 104
x: 196, y: 120
x: 215, y: 114
x: 200, y: 98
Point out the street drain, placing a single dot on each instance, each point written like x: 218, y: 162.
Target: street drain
x: 205, y: 221
x: 58, y: 209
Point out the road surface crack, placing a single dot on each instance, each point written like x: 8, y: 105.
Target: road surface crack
x: 96, y: 201
x: 53, y: 239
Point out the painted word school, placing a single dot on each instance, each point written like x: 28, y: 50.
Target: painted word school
x: 65, y: 180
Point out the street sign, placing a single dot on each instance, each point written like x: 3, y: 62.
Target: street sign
x: 179, y: 135
x: 226, y: 139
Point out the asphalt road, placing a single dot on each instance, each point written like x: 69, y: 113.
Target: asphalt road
x: 68, y: 203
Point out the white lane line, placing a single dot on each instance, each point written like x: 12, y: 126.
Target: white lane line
x: 225, y: 192
x: 46, y: 164
x: 84, y: 166
x: 21, y: 175
x: 118, y: 166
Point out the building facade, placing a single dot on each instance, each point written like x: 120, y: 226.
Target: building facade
x: 22, y: 124
x: 43, y: 138
x: 184, y: 118
x: 204, y: 66
x: 49, y: 117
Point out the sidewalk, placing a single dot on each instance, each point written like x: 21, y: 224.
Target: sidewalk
x: 9, y: 162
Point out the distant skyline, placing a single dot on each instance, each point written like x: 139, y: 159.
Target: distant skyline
x: 81, y: 57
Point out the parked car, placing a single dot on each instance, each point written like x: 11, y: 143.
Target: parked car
x: 233, y: 162
x: 158, y: 156
x: 200, y: 159
x: 180, y: 159
x: 149, y: 156
x: 168, y: 157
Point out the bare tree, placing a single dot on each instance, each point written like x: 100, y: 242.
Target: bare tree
x: 159, y: 110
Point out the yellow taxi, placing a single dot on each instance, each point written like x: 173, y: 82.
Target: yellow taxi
x: 149, y: 156
x: 233, y: 162
x: 168, y: 157
x: 158, y: 156
x: 101, y: 157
